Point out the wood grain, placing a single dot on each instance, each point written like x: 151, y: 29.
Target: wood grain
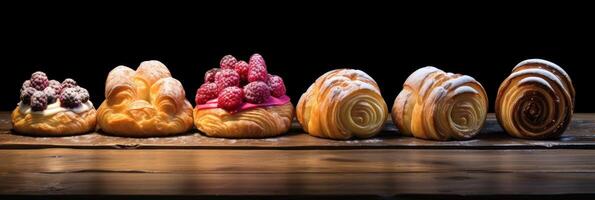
x: 580, y: 134
x: 384, y: 173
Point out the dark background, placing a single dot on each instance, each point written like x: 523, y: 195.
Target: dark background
x: 298, y: 42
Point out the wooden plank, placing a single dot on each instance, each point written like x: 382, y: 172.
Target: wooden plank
x: 385, y: 185
x: 580, y: 134
x: 57, y: 161
x: 384, y: 173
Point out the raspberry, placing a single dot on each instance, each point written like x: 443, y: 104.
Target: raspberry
x: 83, y: 94
x: 51, y: 94
x: 226, y: 78
x: 230, y: 98
x: 26, y: 95
x: 257, y: 73
x: 25, y: 85
x: 205, y: 93
x: 257, y: 59
x: 210, y: 75
x: 55, y: 85
x: 241, y: 67
x: 38, y: 101
x: 257, y: 92
x: 69, y: 98
x: 227, y: 62
x: 277, y: 86
x: 39, y: 80
x: 67, y: 83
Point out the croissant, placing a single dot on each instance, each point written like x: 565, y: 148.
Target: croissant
x: 440, y: 106
x: 536, y: 101
x: 241, y: 100
x: 51, y: 108
x: 341, y: 104
x: 142, y: 103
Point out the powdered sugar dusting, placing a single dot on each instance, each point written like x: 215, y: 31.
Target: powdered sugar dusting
x: 465, y: 89
x: 541, y: 72
x: 535, y: 80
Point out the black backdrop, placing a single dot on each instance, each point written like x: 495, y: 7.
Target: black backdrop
x: 298, y: 45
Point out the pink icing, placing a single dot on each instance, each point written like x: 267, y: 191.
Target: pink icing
x: 272, y: 101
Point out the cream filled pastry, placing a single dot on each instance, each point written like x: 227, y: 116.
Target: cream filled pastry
x: 144, y: 102
x: 440, y: 106
x: 51, y: 108
x: 241, y: 100
x: 342, y: 104
x: 536, y: 101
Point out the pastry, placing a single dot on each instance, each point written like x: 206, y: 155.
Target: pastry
x: 241, y: 100
x: 440, y: 106
x: 51, y: 108
x: 536, y: 101
x: 143, y: 103
x: 342, y: 104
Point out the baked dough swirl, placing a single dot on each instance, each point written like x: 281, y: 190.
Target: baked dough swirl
x: 341, y: 104
x: 260, y: 122
x: 440, y: 106
x: 142, y: 103
x: 62, y: 123
x: 536, y: 101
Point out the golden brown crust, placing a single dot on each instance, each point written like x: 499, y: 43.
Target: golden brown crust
x: 253, y: 123
x: 143, y: 103
x: 536, y: 101
x: 341, y: 104
x: 440, y: 106
x: 60, y: 124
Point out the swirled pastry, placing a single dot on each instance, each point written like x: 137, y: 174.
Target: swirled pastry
x: 51, y: 108
x: 241, y: 100
x: 341, y: 104
x: 440, y: 106
x: 142, y: 103
x: 536, y: 101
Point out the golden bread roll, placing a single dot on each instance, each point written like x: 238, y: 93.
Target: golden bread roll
x: 143, y: 103
x: 342, y: 104
x: 440, y: 106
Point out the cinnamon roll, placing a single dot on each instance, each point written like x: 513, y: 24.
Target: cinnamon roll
x: 440, y: 106
x: 536, y: 101
x: 342, y: 104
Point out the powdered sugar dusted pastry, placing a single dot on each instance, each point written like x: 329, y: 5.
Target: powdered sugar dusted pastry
x: 440, y: 106
x: 342, y: 104
x: 241, y: 100
x: 51, y: 108
x: 142, y: 103
x: 536, y: 101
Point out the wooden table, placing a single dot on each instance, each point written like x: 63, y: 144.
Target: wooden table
x: 298, y: 166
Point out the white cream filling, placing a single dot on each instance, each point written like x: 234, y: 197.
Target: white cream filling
x: 55, y: 108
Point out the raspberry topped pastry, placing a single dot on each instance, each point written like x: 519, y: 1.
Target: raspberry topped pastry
x: 51, y: 108
x: 242, y: 100
x: 143, y: 103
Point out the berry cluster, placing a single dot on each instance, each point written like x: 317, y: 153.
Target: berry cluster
x: 38, y: 92
x: 238, y: 81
